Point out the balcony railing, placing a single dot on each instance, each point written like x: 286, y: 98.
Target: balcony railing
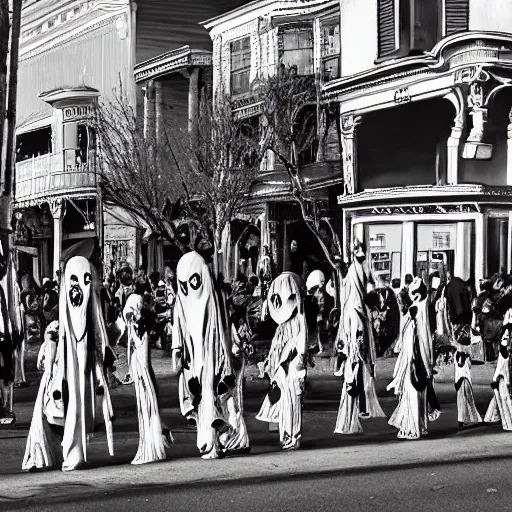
x: 46, y: 176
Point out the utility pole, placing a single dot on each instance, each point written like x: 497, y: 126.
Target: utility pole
x: 12, y: 89
x: 10, y: 21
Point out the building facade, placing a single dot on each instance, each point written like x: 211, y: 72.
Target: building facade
x: 424, y: 104
x: 71, y: 54
x: 250, y: 44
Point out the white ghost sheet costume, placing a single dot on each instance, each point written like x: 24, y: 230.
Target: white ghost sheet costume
x: 500, y: 407
x: 285, y: 363
x: 78, y: 377
x: 151, y: 442
x: 358, y: 346
x: 413, y: 368
x: 466, y: 409
x: 41, y: 451
x: 202, y: 355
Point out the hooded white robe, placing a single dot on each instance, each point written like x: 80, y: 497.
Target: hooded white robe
x: 40, y: 452
x: 201, y: 350
x: 359, y: 350
x: 285, y: 363
x: 78, y: 364
x: 151, y: 443
x: 500, y: 407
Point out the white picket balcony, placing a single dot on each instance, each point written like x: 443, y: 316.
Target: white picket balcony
x: 46, y: 177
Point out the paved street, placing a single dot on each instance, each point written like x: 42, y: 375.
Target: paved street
x: 359, y: 471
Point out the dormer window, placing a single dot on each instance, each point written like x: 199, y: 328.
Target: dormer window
x: 240, y: 65
x: 295, y: 45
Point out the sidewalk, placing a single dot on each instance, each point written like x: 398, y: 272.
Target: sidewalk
x: 321, y: 449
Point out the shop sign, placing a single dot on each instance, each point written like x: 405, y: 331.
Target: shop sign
x: 77, y: 112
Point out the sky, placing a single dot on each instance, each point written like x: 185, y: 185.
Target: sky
x: 164, y: 25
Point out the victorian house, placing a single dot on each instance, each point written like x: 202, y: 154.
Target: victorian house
x: 71, y: 53
x: 170, y: 87
x: 250, y: 44
x: 424, y: 103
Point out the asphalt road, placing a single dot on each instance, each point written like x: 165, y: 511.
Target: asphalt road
x: 471, y: 487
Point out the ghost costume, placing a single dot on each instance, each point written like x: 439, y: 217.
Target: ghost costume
x: 40, y: 451
x: 78, y: 374
x: 202, y: 354
x: 285, y: 364
x: 358, y: 393
x: 500, y: 407
x: 413, y: 369
x: 151, y: 443
x: 466, y: 409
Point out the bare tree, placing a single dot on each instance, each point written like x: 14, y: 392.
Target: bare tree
x: 224, y: 163
x: 139, y: 173
x: 204, y: 176
x: 290, y: 109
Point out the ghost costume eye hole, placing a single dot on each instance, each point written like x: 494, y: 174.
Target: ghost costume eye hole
x: 76, y: 295
x: 292, y: 297
x: 87, y: 278
x: 276, y: 301
x: 195, y: 281
x: 184, y: 287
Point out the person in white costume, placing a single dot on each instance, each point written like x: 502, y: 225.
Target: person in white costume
x: 151, y: 441
x: 201, y: 345
x: 77, y: 377
x: 357, y: 345
x: 500, y: 408
x: 413, y: 369
x: 286, y: 362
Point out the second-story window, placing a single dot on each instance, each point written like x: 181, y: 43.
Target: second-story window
x: 240, y: 65
x: 296, y: 49
x: 387, y: 20
x: 456, y: 16
x: 330, y: 50
x: 34, y: 143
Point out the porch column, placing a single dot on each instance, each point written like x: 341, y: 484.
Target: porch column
x: 453, y: 143
x: 193, y: 102
x: 57, y: 208
x: 149, y: 109
x: 509, y: 157
x: 462, y: 264
x: 158, y: 111
x: 480, y: 249
x: 35, y: 269
x: 286, y: 247
x: 509, y: 242
x: 452, y: 160
x: 45, y: 264
x: 503, y: 244
x: 407, y: 250
x: 349, y: 125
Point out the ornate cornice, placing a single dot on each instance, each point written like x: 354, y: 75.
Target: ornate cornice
x: 171, y: 62
x: 72, y: 193
x: 424, y: 191
x: 452, y: 53
x: 91, y: 15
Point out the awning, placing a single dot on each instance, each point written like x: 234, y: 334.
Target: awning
x: 115, y: 216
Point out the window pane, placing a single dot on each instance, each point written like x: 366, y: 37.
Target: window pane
x: 331, y: 68
x: 305, y: 39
